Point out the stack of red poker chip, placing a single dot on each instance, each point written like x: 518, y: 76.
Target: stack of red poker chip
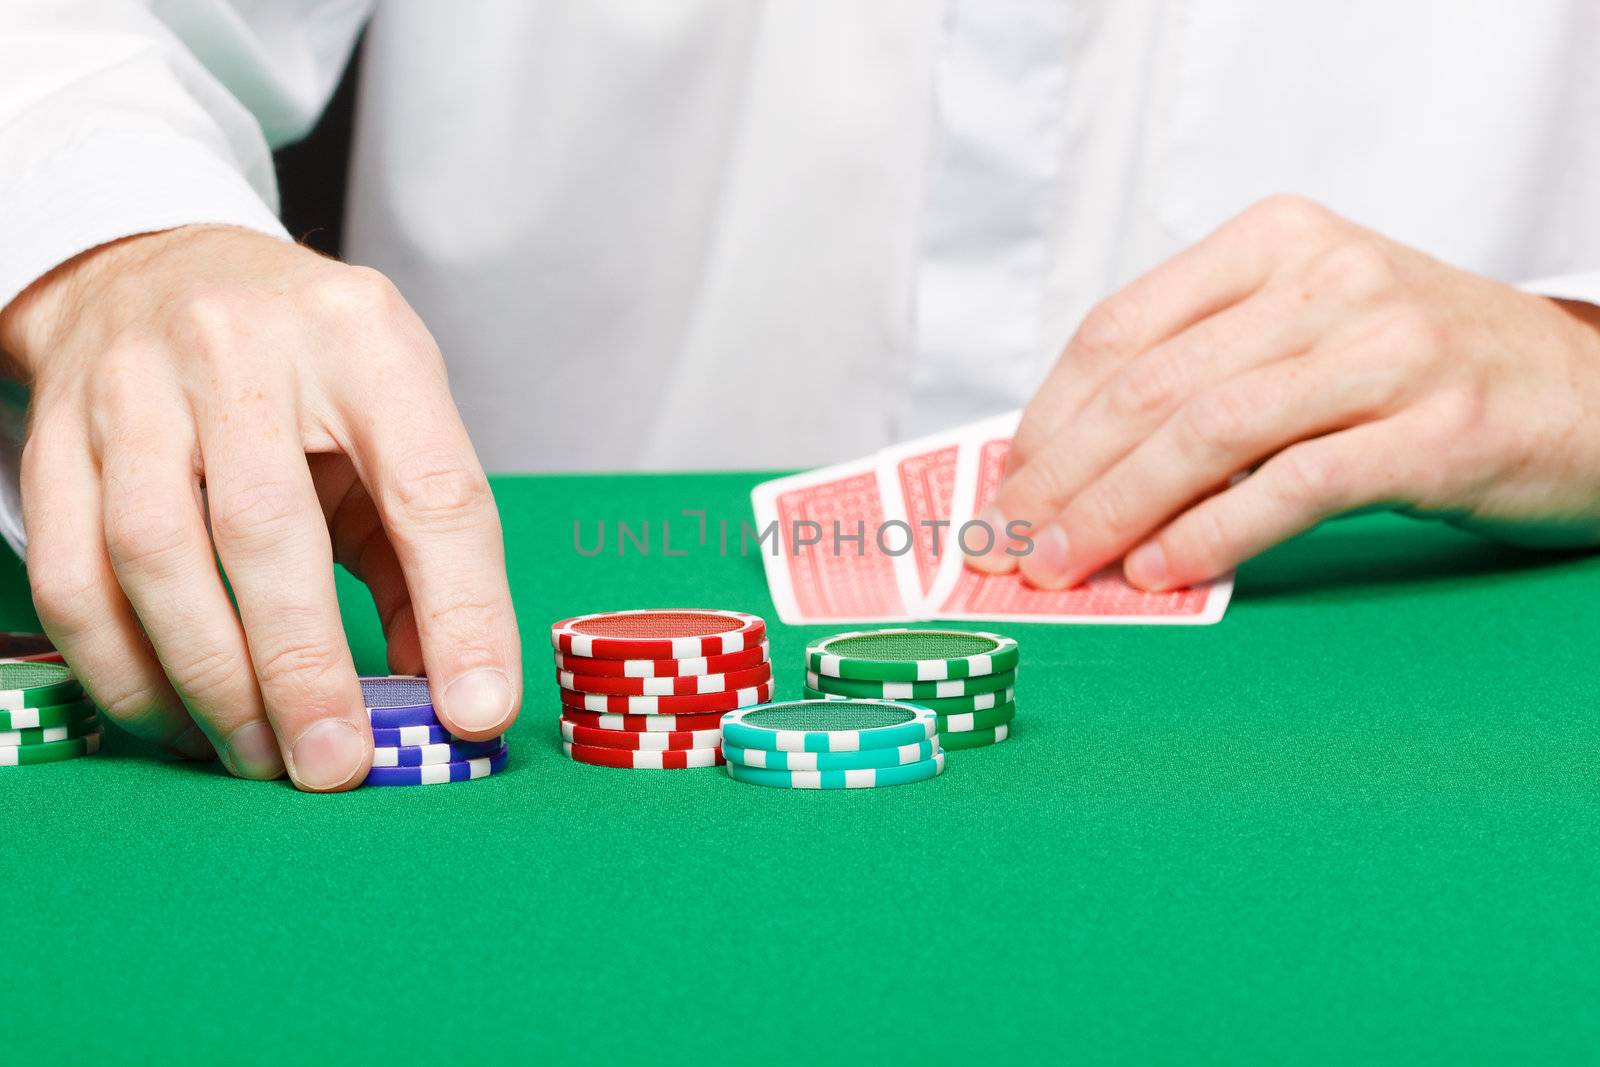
x: 647, y: 689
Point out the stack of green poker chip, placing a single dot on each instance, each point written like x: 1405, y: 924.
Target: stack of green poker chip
x: 44, y: 716
x: 967, y: 678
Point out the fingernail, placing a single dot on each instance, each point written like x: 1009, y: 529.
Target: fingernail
x: 328, y: 755
x: 479, y: 702
x: 1146, y: 566
x: 1047, y: 564
x: 192, y: 744
x: 253, y: 752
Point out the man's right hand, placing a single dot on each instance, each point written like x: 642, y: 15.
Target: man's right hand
x: 299, y: 405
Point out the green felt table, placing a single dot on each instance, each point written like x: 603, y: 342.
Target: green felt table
x: 1356, y: 821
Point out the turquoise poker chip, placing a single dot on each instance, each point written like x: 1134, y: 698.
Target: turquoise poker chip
x: 861, y: 778
x: 828, y: 725
x: 832, y: 761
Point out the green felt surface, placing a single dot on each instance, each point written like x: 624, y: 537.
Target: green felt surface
x: 1354, y: 822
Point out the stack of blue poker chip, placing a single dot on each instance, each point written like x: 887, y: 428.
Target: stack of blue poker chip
x: 832, y: 744
x: 411, y: 746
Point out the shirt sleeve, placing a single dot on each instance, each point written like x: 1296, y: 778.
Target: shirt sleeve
x: 120, y: 117
x: 1583, y: 287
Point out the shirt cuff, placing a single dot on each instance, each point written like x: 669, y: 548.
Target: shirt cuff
x: 97, y: 179
x: 1584, y: 288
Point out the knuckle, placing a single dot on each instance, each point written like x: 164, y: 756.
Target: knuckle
x: 1205, y: 542
x: 1354, y: 269
x: 1217, y: 421
x: 1147, y: 388
x: 1035, y: 489
x: 467, y: 617
x: 1309, y: 479
x: 305, y: 668
x: 1105, y: 509
x: 209, y: 671
x: 66, y: 590
x: 355, y: 292
x: 1107, y: 330
x: 211, y: 318
x: 255, y: 511
x: 142, y: 535
x: 1289, y: 214
x: 435, y: 487
x: 1410, y: 331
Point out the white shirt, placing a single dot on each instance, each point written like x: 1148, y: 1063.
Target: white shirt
x: 718, y: 233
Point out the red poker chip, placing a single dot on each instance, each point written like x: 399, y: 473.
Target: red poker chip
x: 697, y: 684
x: 652, y: 724
x: 642, y: 741
x: 658, y: 634
x: 664, y: 668
x: 696, y: 704
x: 21, y: 647
x: 674, y: 760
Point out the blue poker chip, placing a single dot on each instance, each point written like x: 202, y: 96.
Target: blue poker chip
x: 439, y: 773
x: 427, y: 755
x: 411, y: 736
x: 398, y: 700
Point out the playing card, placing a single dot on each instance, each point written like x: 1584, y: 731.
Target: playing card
x: 816, y: 576
x: 963, y: 593
x: 903, y: 515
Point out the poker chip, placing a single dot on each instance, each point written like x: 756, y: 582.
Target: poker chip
x: 832, y: 761
x: 828, y: 725
x: 862, y: 778
x: 25, y: 684
x: 647, y: 689
x: 968, y: 721
x: 695, y: 704
x: 905, y: 655
x: 50, y: 751
x: 652, y: 724
x: 641, y: 759
x: 974, y: 738
x: 397, y: 700
x: 665, y: 668
x: 966, y: 678
x: 687, y: 685
x: 48, y: 715
x: 642, y: 741
x: 946, y: 706
x: 428, y: 755
x: 439, y: 773
x: 411, y: 736
x: 657, y: 634
x: 954, y: 687
x: 411, y: 746
x: 46, y: 734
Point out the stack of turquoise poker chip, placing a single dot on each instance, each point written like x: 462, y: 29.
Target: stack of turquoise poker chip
x: 828, y: 744
x: 44, y: 715
x: 966, y: 678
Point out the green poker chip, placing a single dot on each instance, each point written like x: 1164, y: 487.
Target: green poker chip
x: 905, y: 655
x: 32, y: 718
x: 51, y: 752
x: 968, y: 721
x: 945, y: 706
x: 41, y: 735
x: 29, y: 685
x: 954, y: 687
x: 953, y: 742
